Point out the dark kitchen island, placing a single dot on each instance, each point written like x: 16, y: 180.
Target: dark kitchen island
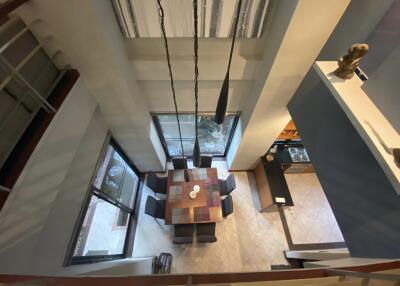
x: 272, y: 187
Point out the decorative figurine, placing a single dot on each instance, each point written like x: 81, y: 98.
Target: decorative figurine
x: 349, y: 63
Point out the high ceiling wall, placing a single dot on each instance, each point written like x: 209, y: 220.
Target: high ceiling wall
x: 147, y: 57
x: 129, y: 77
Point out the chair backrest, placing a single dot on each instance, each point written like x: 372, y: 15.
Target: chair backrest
x: 155, y: 208
x: 205, y: 161
x: 152, y: 180
x: 157, y: 184
x: 205, y: 228
x: 227, y: 186
x: 206, y: 232
x: 227, y: 206
x: 179, y: 163
x: 230, y: 183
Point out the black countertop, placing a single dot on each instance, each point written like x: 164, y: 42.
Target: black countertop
x: 283, y: 156
x: 277, y: 182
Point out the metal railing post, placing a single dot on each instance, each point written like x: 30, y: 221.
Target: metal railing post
x: 46, y: 105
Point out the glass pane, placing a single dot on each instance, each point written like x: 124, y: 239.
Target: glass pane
x: 114, y: 175
x: 129, y: 188
x: 116, y: 179
x: 103, y: 231
x: 213, y: 138
x: 169, y: 126
x: 175, y: 149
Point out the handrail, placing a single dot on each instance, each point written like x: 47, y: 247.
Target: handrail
x: 26, y: 94
x: 4, y: 189
x: 9, y: 6
x: 367, y: 275
x: 205, y: 278
x: 46, y: 105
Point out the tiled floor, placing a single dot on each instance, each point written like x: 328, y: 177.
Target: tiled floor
x: 247, y: 240
x: 311, y: 220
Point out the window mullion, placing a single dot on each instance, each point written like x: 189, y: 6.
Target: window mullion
x: 110, y: 200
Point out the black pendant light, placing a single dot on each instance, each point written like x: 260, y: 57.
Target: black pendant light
x: 161, y: 16
x: 223, y: 96
x: 186, y: 175
x: 196, y: 149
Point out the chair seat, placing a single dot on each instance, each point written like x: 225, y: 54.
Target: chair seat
x: 183, y: 233
x: 206, y: 238
x: 183, y: 240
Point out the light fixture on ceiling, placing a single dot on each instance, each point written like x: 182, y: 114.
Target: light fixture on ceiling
x: 223, y: 96
x: 162, y: 24
x: 196, y: 149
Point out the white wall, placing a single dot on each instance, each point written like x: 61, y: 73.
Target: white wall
x: 87, y: 33
x: 294, y: 37
x: 383, y: 87
x: 235, y: 143
x: 38, y: 219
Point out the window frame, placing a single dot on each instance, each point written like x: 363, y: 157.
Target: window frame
x: 157, y: 124
x: 93, y: 191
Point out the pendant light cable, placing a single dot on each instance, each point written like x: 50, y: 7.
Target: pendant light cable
x: 196, y: 57
x: 162, y: 24
x: 234, y: 33
x: 196, y: 149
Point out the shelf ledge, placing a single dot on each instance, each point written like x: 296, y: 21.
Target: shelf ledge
x: 367, y: 119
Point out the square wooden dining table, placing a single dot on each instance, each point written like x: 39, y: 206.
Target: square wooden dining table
x: 206, y: 207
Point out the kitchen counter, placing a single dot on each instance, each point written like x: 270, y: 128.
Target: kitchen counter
x: 271, y: 184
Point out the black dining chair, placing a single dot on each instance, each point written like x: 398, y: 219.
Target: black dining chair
x: 179, y: 163
x: 183, y: 233
x: 227, y: 186
x: 155, y: 208
x: 206, y: 232
x: 205, y: 161
x: 227, y: 206
x: 156, y: 183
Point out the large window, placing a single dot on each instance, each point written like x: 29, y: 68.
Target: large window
x: 214, y: 139
x: 105, y: 225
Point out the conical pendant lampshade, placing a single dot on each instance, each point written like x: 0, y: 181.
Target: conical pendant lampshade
x: 223, y: 96
x: 222, y: 101
x: 196, y: 154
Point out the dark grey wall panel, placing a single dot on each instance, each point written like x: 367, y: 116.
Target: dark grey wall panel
x: 383, y: 88
x: 364, y: 202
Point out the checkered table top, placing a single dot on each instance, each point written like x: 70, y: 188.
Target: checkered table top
x: 206, y: 207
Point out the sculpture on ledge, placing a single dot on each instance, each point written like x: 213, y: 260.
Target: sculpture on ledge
x: 349, y: 63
